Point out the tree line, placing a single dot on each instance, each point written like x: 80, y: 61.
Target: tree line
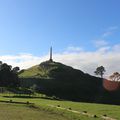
x: 101, y: 71
x: 8, y: 75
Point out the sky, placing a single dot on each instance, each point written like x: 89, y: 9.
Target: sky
x: 84, y: 34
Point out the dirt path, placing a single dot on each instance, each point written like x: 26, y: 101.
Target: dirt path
x: 83, y: 113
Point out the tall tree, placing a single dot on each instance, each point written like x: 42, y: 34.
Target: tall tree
x: 115, y: 76
x: 100, y: 71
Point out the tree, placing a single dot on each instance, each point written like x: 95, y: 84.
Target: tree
x: 5, y: 67
x: 8, y: 76
x: 100, y: 71
x: 115, y: 76
x: 0, y: 63
x: 16, y: 69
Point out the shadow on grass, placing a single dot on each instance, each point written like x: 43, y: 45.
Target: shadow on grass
x: 23, y: 96
x: 16, y: 102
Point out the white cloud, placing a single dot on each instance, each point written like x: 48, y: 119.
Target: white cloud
x: 86, y: 61
x: 116, y: 47
x: 22, y: 60
x: 109, y: 31
x: 73, y: 49
x: 100, y: 43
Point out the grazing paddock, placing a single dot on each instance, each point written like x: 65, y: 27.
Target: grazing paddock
x: 44, y: 111
x: 21, y: 112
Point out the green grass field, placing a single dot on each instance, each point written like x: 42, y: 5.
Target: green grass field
x: 45, y: 111
x: 22, y: 112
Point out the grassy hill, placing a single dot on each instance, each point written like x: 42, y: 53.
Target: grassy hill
x: 34, y: 72
x: 65, y: 82
x: 48, y: 69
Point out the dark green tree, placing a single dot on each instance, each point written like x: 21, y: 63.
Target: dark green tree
x: 100, y: 71
x: 8, y: 76
x: 16, y: 69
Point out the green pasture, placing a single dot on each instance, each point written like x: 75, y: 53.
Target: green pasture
x: 22, y: 112
x: 53, y: 113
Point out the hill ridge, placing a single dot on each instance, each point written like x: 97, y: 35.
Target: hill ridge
x: 43, y: 69
x: 62, y: 81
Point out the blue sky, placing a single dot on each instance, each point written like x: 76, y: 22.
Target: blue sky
x: 84, y: 33
x: 31, y: 26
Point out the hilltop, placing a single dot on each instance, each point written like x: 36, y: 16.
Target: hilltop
x: 56, y: 79
x: 50, y: 70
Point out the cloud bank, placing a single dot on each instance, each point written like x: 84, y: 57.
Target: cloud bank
x: 86, y: 61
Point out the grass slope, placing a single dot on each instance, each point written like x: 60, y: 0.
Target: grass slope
x: 57, y: 79
x: 95, y: 109
x: 44, y: 70
x: 22, y: 112
x: 33, y: 72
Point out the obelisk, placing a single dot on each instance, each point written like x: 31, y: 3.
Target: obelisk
x: 51, y: 60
